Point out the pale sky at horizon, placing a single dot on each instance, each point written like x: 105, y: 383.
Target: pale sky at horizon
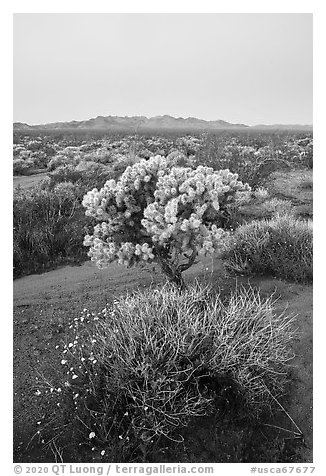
x: 247, y: 68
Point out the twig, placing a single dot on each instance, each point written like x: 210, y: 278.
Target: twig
x: 288, y: 415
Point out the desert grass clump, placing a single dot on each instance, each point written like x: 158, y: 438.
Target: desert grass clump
x: 152, y: 361
x: 281, y: 247
x: 275, y: 206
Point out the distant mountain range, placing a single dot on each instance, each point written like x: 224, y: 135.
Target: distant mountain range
x: 141, y: 123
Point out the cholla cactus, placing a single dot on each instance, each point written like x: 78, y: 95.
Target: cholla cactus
x: 155, y: 213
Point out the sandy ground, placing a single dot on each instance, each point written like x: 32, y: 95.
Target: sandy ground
x: 28, y: 181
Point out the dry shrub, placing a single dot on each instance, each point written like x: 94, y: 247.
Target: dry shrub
x: 281, y: 247
x: 148, y: 364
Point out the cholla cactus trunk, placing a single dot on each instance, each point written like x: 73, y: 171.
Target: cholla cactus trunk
x: 173, y: 273
x: 179, y: 281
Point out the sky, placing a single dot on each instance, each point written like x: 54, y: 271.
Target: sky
x: 241, y: 68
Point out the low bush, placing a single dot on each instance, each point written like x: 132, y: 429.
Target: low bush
x: 274, y: 206
x: 307, y: 184
x: 23, y: 167
x: 49, y: 220
x: 48, y: 228
x: 259, y: 205
x: 281, y: 247
x: 143, y: 367
x: 85, y: 175
x: 266, y: 208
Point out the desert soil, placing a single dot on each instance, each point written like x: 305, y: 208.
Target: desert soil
x: 28, y: 181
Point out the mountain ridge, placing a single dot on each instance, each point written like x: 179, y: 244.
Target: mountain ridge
x: 139, y: 123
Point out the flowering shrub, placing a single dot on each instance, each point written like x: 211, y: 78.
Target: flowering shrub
x: 136, y: 372
x: 155, y: 213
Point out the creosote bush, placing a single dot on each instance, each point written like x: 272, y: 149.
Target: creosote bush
x: 48, y: 228
x: 153, y: 360
x: 281, y: 247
